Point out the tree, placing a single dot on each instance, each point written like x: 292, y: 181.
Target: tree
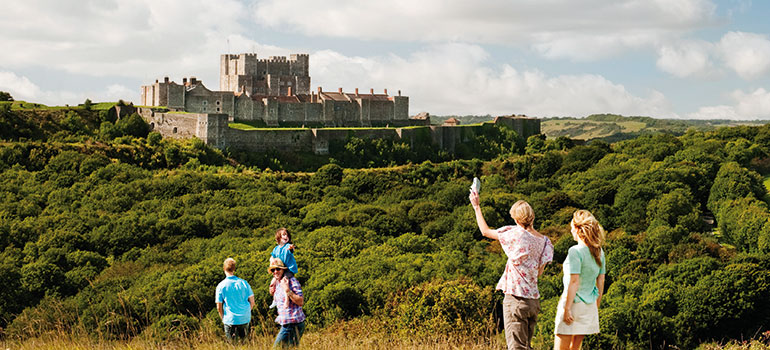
x: 5, y: 96
x: 133, y: 125
x: 535, y: 144
x: 734, y: 182
x: 87, y: 104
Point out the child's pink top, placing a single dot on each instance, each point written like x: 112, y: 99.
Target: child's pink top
x: 526, y: 253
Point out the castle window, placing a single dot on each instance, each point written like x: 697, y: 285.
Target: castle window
x: 205, y: 102
x: 218, y: 109
x: 174, y: 131
x: 218, y: 102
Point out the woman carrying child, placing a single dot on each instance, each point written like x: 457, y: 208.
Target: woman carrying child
x: 578, y: 312
x: 528, y: 251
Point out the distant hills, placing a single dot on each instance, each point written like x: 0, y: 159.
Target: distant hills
x: 612, y: 127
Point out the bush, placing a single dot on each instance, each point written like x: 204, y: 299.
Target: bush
x: 444, y: 307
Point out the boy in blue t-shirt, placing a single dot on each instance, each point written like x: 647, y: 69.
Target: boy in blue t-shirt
x: 234, y: 299
x: 284, y: 251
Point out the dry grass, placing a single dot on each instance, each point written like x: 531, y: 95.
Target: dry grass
x: 314, y: 340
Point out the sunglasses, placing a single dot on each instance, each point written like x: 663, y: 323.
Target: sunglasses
x: 273, y: 270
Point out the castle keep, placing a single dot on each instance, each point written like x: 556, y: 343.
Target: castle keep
x: 276, y: 92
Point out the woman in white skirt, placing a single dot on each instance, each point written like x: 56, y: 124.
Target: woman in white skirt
x: 584, y: 268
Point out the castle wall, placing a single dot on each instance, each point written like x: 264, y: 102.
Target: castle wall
x: 286, y: 140
x: 213, y: 129
x: 400, y: 107
x: 161, y: 95
x: 244, y: 108
x: 293, y: 113
x: 175, y: 96
x: 148, y: 95
x: 525, y: 127
x: 172, y: 125
x: 202, y: 100
x: 381, y: 112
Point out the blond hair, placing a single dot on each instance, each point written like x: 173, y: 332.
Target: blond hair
x: 590, y: 232
x: 229, y: 265
x: 523, y: 213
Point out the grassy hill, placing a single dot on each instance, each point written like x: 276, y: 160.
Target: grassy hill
x: 613, y: 128
x: 610, y: 127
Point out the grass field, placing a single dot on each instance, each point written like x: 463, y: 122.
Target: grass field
x: 321, y: 341
x: 588, y: 129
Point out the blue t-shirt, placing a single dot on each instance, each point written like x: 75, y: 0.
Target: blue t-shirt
x: 234, y: 293
x: 282, y: 252
x: 580, y: 261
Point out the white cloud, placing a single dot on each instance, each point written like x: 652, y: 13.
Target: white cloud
x: 581, y: 30
x: 19, y: 87
x: 144, y: 38
x: 753, y: 105
x: 686, y: 58
x: 748, y: 54
x: 747, y: 106
x: 457, y: 79
x: 715, y: 112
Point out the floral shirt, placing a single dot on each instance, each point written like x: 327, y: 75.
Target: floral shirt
x: 526, y: 252
x: 291, y: 313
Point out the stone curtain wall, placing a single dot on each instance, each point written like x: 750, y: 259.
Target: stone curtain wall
x: 173, y: 125
x: 293, y: 140
x: 213, y: 129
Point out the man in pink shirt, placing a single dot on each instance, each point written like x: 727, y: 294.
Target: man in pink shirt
x: 528, y: 251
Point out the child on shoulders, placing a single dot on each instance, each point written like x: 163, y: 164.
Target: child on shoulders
x: 285, y: 252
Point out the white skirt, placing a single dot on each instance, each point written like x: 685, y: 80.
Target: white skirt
x: 586, y: 318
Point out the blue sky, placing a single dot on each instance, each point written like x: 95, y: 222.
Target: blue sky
x: 661, y: 58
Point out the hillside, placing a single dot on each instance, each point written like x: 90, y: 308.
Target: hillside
x: 612, y: 128
x: 114, y: 233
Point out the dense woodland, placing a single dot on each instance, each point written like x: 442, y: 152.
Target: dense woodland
x: 111, y: 230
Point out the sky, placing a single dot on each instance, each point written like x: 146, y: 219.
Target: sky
x: 689, y: 59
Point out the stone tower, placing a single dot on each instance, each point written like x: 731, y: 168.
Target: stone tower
x: 275, y: 76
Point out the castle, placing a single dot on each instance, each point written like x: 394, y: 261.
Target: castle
x: 275, y: 92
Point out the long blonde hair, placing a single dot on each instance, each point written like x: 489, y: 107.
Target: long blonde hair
x: 590, y: 232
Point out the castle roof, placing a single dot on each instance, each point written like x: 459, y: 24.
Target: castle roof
x: 373, y: 97
x: 452, y: 121
x: 335, y: 96
x: 344, y: 96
